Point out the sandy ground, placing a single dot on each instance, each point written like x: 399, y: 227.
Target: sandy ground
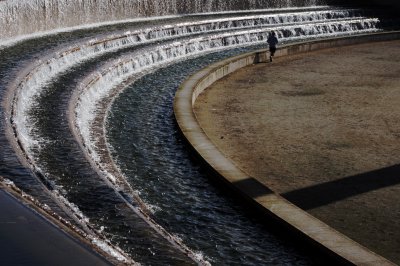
x: 323, y: 130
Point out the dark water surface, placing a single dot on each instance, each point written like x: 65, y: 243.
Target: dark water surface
x: 149, y: 149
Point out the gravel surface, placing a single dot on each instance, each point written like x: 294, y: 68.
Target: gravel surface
x: 323, y: 130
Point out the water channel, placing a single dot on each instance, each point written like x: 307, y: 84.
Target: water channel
x: 87, y: 128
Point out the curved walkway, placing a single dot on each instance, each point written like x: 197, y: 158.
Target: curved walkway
x: 248, y: 168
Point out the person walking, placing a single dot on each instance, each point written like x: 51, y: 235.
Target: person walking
x: 272, y: 42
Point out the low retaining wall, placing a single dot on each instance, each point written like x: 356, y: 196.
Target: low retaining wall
x: 329, y: 240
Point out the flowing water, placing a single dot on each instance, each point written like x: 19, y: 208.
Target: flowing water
x: 89, y: 113
x: 24, y: 17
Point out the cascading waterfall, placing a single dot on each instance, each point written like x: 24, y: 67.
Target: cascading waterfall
x: 64, y: 59
x: 139, y: 50
x: 101, y: 84
x: 26, y: 17
x: 43, y: 72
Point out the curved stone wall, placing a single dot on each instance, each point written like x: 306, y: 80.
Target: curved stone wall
x: 270, y: 203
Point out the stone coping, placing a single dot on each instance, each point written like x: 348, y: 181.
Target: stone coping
x: 310, y: 228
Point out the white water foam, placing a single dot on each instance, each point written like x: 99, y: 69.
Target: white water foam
x: 99, y: 85
x: 292, y: 11
x: 8, y: 182
x: 113, y: 251
x: 20, y: 17
x: 47, y: 69
x: 103, y: 82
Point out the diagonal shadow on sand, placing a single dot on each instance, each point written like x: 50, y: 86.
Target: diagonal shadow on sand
x: 329, y: 192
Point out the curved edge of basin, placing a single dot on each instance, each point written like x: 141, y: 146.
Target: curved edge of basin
x: 270, y: 203
x: 55, y: 227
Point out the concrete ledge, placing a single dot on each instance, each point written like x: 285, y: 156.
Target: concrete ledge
x: 27, y: 223
x: 329, y: 240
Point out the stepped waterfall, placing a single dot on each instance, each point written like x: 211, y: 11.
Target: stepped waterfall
x: 87, y: 127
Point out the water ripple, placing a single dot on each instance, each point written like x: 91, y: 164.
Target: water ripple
x: 149, y: 150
